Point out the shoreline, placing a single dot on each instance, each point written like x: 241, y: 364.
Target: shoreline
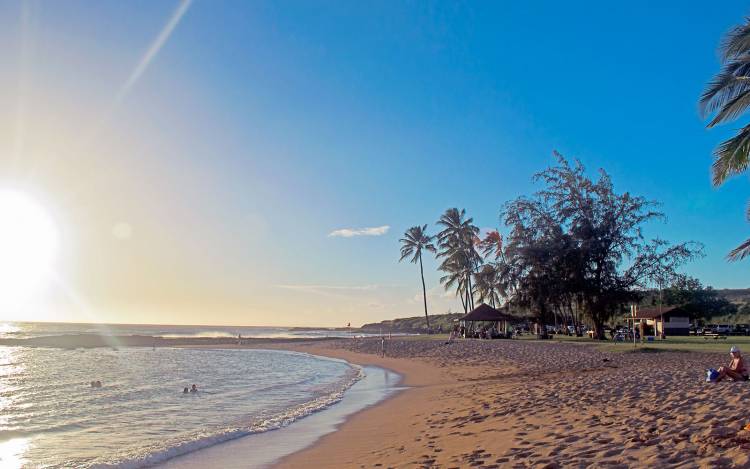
x: 420, y: 384
x: 369, y: 423
x: 265, y: 449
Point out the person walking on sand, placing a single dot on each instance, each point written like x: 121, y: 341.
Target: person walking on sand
x: 736, y: 370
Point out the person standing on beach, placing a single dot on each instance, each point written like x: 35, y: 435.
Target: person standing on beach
x: 382, y: 346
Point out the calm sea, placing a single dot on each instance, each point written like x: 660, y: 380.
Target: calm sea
x: 50, y: 416
x: 23, y: 330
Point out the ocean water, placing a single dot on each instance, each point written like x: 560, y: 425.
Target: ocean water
x: 262, y: 450
x: 24, y: 330
x: 50, y: 416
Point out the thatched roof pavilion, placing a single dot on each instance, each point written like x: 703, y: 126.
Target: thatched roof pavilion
x: 485, y: 312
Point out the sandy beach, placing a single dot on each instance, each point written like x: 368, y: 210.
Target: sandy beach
x: 536, y: 404
x: 516, y: 403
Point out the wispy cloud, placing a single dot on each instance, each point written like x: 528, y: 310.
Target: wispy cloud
x: 154, y: 48
x: 351, y: 232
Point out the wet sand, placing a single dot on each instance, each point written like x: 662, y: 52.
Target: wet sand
x: 537, y: 404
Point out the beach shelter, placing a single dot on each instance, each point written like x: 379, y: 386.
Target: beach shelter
x: 666, y: 320
x: 486, y: 313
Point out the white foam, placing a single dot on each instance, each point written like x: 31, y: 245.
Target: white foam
x: 160, y: 455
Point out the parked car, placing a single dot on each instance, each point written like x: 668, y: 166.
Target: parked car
x: 741, y: 329
x: 723, y: 329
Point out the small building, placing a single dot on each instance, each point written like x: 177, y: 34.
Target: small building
x: 667, y: 320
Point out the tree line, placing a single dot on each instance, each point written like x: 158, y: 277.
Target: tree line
x: 573, y: 249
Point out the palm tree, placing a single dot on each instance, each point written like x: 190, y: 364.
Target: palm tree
x: 416, y: 240
x: 492, y: 244
x: 486, y: 281
x: 457, y: 243
x: 727, y: 97
x: 455, y: 268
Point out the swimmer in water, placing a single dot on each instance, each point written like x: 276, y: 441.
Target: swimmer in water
x: 194, y: 388
x: 185, y: 391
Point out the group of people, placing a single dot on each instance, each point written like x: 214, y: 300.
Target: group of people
x: 192, y: 388
x: 186, y: 390
x: 485, y: 332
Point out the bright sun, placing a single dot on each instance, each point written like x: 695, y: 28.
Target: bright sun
x: 28, y: 243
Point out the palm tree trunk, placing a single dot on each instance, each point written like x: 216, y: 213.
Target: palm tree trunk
x: 471, y: 292
x: 424, y: 293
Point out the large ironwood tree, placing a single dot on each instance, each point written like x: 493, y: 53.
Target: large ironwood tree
x: 578, y: 241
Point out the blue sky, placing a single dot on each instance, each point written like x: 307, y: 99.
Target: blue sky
x: 261, y: 127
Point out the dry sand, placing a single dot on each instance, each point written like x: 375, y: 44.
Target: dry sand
x: 536, y: 404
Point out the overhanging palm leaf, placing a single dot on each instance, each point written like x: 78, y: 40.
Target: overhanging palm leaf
x: 731, y: 157
x: 736, y: 42
x: 740, y: 252
x: 732, y: 108
x: 743, y: 250
x: 727, y: 96
x: 732, y: 81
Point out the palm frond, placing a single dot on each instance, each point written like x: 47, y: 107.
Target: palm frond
x: 732, y: 81
x: 406, y: 251
x: 731, y: 157
x: 736, y: 42
x: 740, y: 252
x: 732, y: 109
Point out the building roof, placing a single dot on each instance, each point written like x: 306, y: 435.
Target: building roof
x: 485, y: 312
x: 652, y: 312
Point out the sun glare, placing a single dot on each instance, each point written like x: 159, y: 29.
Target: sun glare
x: 28, y: 241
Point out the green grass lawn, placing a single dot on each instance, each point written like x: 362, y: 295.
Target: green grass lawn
x: 687, y: 343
